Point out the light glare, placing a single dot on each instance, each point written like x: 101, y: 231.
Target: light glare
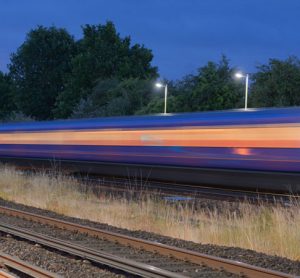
x: 239, y: 75
x: 159, y: 85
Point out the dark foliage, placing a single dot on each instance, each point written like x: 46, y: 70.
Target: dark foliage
x: 38, y: 69
x: 7, y: 94
x: 277, y: 84
x: 103, y: 54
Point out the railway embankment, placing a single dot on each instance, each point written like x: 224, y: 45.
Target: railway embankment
x: 266, y: 236
x: 123, y: 252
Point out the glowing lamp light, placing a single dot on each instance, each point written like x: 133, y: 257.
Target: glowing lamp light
x: 239, y: 75
x: 160, y: 85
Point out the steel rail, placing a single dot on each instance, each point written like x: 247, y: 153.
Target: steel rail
x: 194, y: 193
x: 23, y: 267
x: 188, y: 190
x: 4, y: 274
x: 178, y: 253
x: 94, y: 256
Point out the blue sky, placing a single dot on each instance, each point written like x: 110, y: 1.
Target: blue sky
x: 183, y: 34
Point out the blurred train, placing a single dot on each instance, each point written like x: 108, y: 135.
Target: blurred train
x: 257, y: 149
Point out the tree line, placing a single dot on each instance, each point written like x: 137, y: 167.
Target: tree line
x: 52, y: 76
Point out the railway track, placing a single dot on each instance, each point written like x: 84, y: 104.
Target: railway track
x: 102, y: 258
x: 11, y: 266
x: 195, y: 259
x: 171, y: 191
x: 179, y: 191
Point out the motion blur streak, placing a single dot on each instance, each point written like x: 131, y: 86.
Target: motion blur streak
x: 223, y: 147
x: 276, y: 136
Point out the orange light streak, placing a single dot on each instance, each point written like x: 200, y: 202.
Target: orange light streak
x: 246, y: 137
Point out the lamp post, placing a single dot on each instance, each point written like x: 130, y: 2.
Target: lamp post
x: 240, y: 75
x: 160, y: 85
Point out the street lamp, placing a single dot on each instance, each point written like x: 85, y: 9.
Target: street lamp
x: 240, y: 75
x: 160, y: 85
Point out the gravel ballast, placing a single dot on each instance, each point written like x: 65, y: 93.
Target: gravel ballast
x: 163, y: 262
x: 52, y: 261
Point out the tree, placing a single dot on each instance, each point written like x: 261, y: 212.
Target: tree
x: 103, y: 55
x: 94, y: 104
x: 156, y: 101
x: 7, y: 90
x: 156, y: 105
x: 115, y: 98
x: 215, y: 88
x: 182, y: 91
x: 276, y: 84
x: 39, y: 68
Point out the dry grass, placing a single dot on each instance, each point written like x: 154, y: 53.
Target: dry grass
x: 272, y: 230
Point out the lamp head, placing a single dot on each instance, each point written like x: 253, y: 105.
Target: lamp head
x: 239, y: 75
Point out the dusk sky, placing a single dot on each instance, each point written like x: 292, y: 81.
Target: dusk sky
x: 183, y: 34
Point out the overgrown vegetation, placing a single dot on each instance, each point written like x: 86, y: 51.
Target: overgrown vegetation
x: 269, y: 229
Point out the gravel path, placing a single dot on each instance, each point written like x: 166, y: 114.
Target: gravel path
x: 244, y: 255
